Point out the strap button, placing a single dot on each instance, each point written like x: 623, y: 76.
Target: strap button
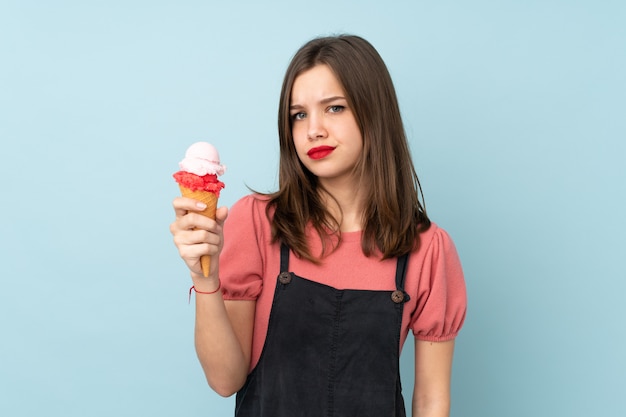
x: 284, y: 278
x: 397, y: 296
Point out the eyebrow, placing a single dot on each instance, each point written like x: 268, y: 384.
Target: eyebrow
x: 323, y: 101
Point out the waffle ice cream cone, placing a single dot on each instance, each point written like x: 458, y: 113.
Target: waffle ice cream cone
x: 207, y: 197
x: 210, y: 199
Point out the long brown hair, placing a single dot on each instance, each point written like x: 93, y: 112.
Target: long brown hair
x: 393, y: 216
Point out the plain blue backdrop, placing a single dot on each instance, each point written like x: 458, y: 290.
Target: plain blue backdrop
x: 516, y: 114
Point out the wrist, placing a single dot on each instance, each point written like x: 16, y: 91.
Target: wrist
x: 201, y: 291
x: 199, y: 279
x: 204, y: 284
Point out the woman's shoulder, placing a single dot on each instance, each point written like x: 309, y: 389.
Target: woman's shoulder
x: 434, y: 237
x: 251, y: 208
x: 251, y: 202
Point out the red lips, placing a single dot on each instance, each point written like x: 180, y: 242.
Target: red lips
x: 320, y: 152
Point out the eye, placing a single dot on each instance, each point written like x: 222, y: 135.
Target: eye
x: 336, y: 109
x: 298, y: 116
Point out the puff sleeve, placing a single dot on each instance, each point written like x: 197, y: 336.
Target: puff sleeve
x: 442, y: 298
x: 242, y: 257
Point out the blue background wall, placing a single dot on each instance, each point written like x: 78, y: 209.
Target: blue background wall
x: 516, y: 112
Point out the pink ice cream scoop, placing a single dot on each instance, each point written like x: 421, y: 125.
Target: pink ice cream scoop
x: 201, y: 159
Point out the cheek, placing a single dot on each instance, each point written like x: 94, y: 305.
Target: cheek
x: 299, y: 137
x: 297, y: 131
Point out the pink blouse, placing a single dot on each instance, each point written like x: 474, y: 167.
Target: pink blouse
x: 250, y: 264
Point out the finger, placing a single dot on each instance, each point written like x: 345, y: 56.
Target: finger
x: 195, y: 237
x: 183, y: 223
x: 183, y: 205
x: 192, y: 253
x: 221, y: 214
x: 192, y: 221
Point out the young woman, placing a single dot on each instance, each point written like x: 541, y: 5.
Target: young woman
x: 313, y: 289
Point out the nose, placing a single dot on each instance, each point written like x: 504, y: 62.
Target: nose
x: 316, y: 129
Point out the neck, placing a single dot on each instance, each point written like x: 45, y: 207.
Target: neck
x: 345, y: 204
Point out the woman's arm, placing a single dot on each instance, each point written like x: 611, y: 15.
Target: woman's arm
x: 223, y: 330
x: 433, y: 369
x: 223, y: 338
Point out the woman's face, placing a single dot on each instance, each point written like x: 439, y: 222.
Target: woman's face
x: 325, y: 132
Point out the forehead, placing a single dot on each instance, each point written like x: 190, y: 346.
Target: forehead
x: 316, y: 83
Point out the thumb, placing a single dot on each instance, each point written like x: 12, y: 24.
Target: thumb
x: 221, y: 214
